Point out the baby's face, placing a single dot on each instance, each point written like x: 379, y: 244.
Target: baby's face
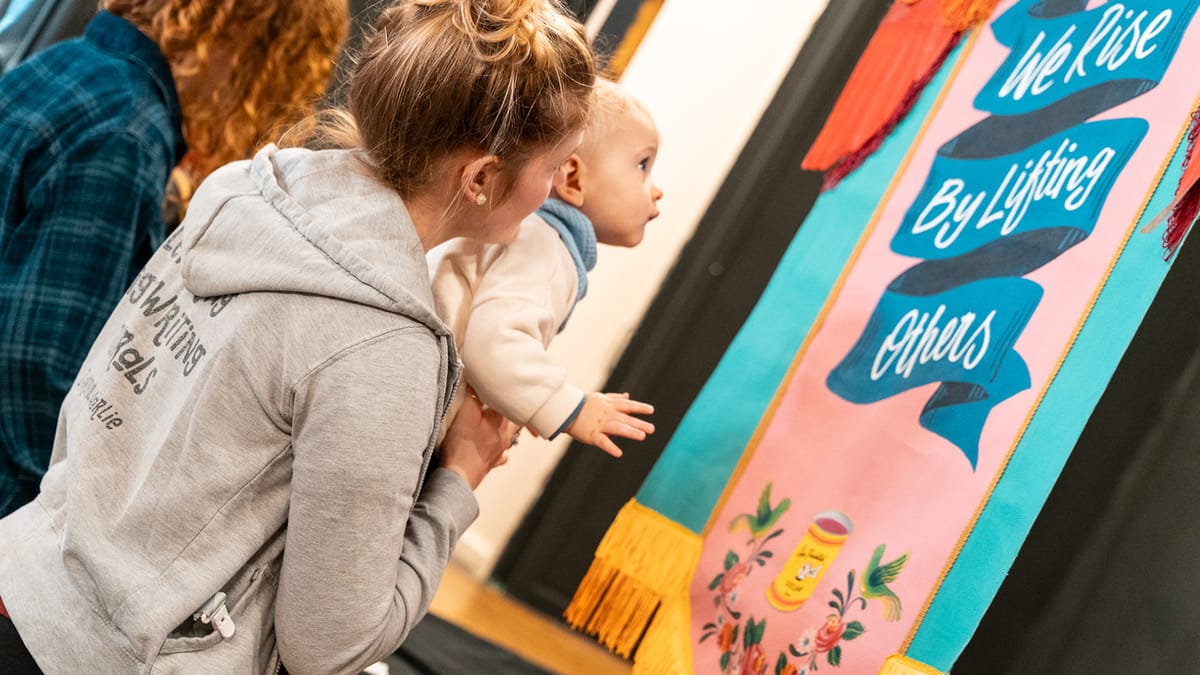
x: 621, y: 197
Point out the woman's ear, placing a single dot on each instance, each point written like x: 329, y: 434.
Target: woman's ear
x: 478, y: 179
x: 571, y: 189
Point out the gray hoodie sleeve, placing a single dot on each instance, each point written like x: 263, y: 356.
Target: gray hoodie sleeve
x: 364, y: 552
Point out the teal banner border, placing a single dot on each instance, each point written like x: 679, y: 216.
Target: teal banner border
x: 989, y: 551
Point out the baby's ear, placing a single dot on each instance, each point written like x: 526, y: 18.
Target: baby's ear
x: 571, y: 188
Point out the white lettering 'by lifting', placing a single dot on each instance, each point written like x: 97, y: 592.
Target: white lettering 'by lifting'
x: 1064, y: 177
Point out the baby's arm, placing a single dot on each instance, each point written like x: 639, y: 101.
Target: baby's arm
x: 518, y: 299
x: 605, y: 415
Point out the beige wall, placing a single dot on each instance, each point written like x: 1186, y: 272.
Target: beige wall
x: 706, y: 71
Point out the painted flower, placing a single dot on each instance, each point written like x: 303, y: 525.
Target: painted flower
x: 789, y: 669
x: 830, y: 633
x: 754, y: 662
x: 734, y: 577
x: 807, y: 641
x: 725, y: 638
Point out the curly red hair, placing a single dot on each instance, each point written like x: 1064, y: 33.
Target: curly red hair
x: 281, y: 57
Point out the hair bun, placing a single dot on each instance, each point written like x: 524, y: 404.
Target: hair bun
x: 499, y: 30
x: 506, y: 77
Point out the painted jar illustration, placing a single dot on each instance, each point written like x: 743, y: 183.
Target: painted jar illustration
x: 809, y: 561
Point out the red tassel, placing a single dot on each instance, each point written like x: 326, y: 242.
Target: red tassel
x: 848, y: 163
x: 1187, y: 196
x: 903, y: 55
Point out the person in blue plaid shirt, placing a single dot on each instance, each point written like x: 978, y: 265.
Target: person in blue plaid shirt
x: 90, y: 131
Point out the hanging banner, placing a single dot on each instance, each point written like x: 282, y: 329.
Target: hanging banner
x: 870, y: 471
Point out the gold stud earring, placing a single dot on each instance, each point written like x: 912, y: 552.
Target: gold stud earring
x: 481, y: 199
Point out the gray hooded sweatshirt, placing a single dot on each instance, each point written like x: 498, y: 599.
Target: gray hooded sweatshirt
x: 256, y: 418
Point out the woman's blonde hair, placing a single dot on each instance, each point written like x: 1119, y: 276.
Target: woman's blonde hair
x: 506, y: 77
x: 282, y: 55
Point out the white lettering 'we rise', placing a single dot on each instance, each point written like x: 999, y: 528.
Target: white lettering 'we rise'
x: 1122, y: 34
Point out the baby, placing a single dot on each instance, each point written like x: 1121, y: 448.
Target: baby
x: 505, y: 303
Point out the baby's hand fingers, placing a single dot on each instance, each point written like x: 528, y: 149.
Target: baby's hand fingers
x: 636, y: 423
x: 605, y: 443
x: 627, y: 428
x: 622, y: 403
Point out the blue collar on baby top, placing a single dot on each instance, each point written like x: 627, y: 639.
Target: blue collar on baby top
x: 577, y: 233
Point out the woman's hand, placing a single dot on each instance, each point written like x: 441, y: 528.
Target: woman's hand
x: 477, y: 441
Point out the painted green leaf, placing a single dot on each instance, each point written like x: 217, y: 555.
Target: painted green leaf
x: 739, y: 518
x: 853, y: 630
x: 780, y: 509
x: 835, y: 656
x: 725, y: 660
x: 764, y: 506
x: 773, y: 517
x: 731, y: 559
x: 716, y: 581
x: 780, y: 663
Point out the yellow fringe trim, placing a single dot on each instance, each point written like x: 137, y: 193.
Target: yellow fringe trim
x: 665, y: 649
x: 642, y: 570
x: 902, y: 665
x: 963, y: 14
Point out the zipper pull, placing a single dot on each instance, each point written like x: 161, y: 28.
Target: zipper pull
x: 215, y: 613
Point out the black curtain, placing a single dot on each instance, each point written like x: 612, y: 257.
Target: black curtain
x: 1103, y: 583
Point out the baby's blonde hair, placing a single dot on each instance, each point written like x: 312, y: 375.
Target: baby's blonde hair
x: 609, y: 101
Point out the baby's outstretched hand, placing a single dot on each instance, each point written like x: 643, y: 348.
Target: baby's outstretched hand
x: 605, y: 415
